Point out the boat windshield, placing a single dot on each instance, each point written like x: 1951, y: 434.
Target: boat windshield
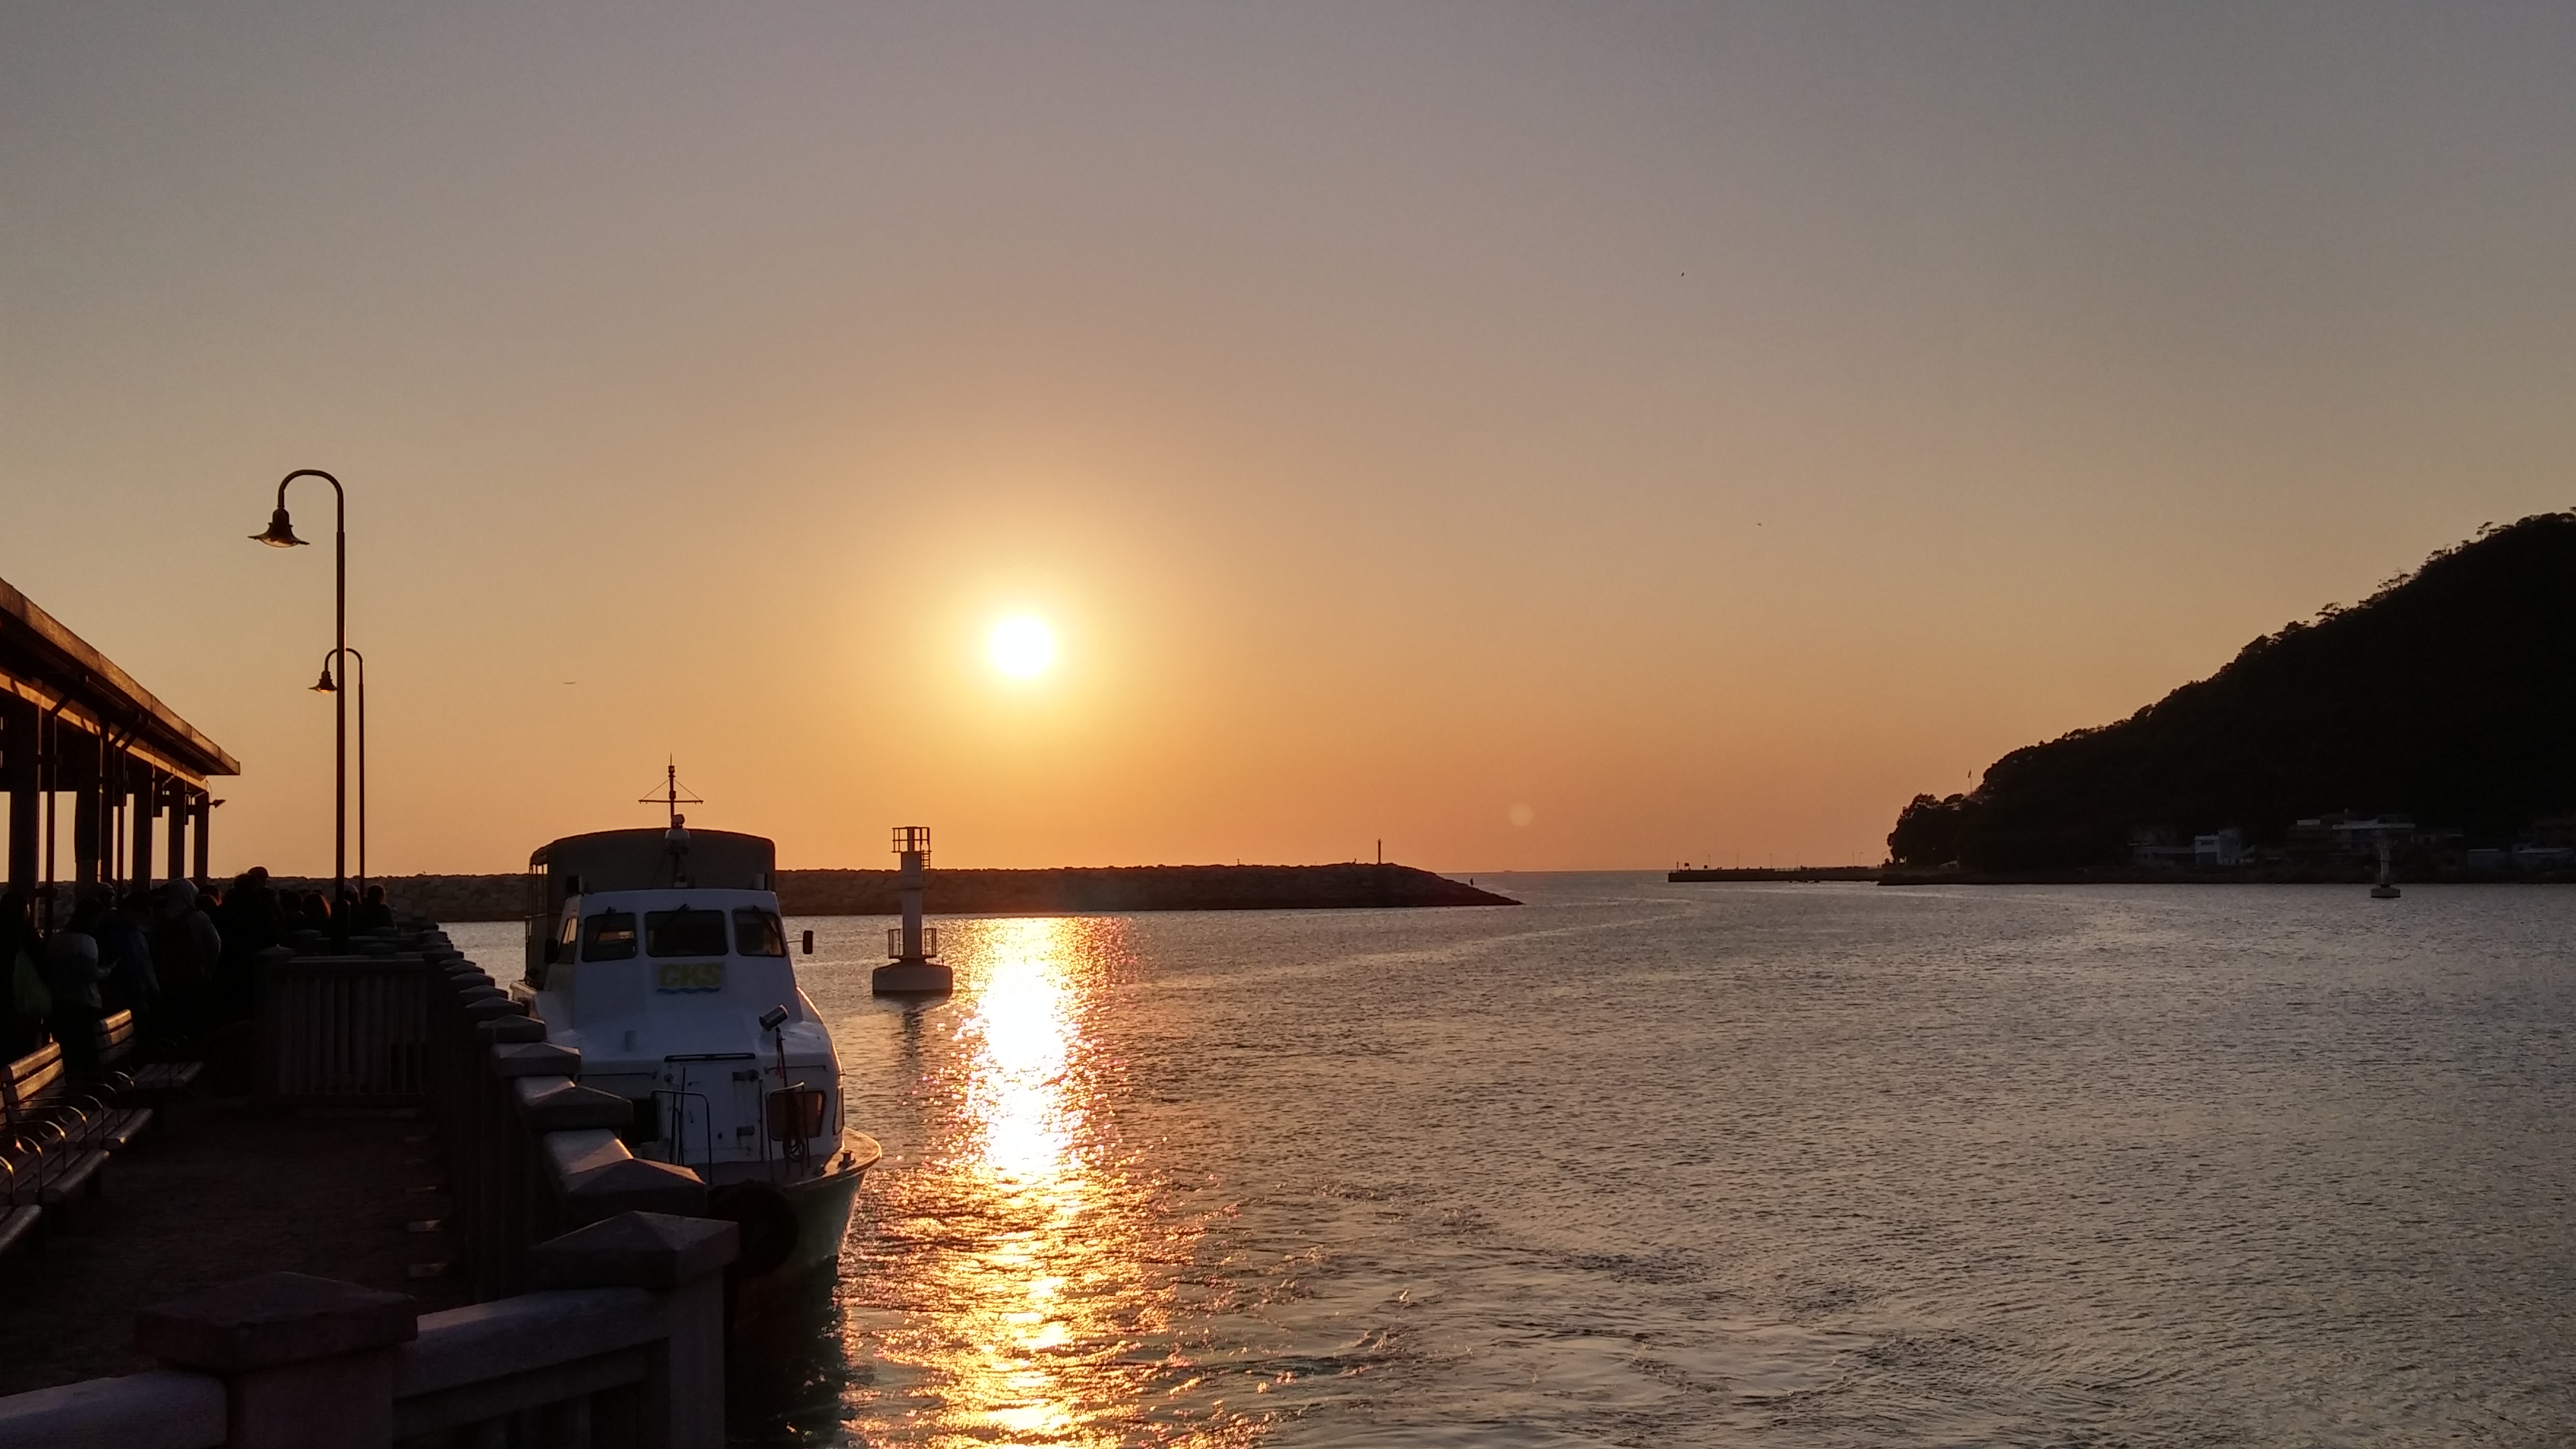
x: 757, y: 933
x: 684, y: 932
x: 608, y: 936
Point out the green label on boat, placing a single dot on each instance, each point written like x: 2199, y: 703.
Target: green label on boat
x: 689, y: 976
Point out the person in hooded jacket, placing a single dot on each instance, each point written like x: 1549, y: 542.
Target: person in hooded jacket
x: 252, y: 922
x: 73, y: 972
x: 186, y: 947
x: 126, y: 953
x: 25, y: 1000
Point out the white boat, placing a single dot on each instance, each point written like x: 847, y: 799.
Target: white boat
x: 661, y: 956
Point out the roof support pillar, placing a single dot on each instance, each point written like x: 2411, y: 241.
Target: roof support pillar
x: 18, y: 754
x: 174, y: 793
x: 203, y: 808
x: 144, y: 787
x: 85, y: 763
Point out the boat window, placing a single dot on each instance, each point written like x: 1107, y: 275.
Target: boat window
x: 757, y: 933
x: 684, y: 932
x: 608, y: 936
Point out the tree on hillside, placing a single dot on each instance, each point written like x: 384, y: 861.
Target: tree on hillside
x: 2449, y: 695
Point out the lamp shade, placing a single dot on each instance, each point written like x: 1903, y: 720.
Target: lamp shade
x: 325, y: 685
x: 280, y: 532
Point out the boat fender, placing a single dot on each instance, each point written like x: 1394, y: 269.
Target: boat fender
x: 765, y: 1221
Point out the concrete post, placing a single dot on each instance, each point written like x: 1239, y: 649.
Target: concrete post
x: 544, y: 1105
x: 82, y: 763
x: 265, y: 968
x: 18, y: 755
x: 147, y: 800
x: 600, y: 1193
x: 203, y: 809
x: 684, y: 1260
x: 175, y: 797
x: 307, y: 1363
x: 499, y: 1150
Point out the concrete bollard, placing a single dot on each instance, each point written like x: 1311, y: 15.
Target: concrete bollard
x: 632, y: 1185
x: 683, y: 1259
x: 480, y: 1177
x: 500, y: 1149
x: 307, y: 1363
x: 545, y: 1105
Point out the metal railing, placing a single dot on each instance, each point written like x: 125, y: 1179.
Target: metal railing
x: 340, y: 1030
x: 929, y: 943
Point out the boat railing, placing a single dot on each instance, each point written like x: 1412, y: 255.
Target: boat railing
x: 671, y: 1106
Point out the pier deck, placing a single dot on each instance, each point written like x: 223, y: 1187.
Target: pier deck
x: 220, y: 1191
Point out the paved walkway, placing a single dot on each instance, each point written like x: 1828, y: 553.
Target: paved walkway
x: 219, y: 1190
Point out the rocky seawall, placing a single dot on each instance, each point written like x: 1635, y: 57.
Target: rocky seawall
x: 1067, y: 890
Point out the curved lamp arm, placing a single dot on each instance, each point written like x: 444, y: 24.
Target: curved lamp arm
x: 281, y: 532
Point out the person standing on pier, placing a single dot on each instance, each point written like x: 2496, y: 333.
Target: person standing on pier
x: 72, y: 973
x: 188, y: 948
x: 252, y: 922
x: 28, y: 1001
x: 125, y: 953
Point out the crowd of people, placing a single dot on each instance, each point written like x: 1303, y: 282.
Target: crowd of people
x: 182, y: 960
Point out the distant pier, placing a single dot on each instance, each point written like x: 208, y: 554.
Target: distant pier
x: 1068, y: 890
x: 1795, y: 872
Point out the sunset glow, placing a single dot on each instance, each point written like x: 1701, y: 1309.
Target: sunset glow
x: 1022, y: 647
x: 1706, y: 426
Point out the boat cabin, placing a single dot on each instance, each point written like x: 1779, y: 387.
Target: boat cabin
x: 661, y: 957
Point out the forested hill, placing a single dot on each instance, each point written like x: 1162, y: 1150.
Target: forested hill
x: 2450, y: 695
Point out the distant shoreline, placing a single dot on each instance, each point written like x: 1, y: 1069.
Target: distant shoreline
x: 2358, y: 874
x: 1059, y: 890
x: 2303, y: 875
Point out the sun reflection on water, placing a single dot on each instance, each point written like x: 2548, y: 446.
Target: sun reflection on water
x: 1021, y: 1285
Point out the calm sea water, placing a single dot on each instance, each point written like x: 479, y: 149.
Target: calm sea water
x: 1643, y: 1164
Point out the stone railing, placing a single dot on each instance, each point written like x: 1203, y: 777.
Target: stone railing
x: 615, y: 1335
x: 408, y: 1021
x: 530, y: 1152
x: 623, y: 1348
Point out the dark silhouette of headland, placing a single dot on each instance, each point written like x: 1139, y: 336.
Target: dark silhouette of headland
x: 1066, y: 890
x: 2436, y: 713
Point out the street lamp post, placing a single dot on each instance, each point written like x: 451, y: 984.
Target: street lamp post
x: 280, y: 533
x: 329, y: 686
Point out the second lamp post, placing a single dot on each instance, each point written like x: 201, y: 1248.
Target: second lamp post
x: 330, y: 686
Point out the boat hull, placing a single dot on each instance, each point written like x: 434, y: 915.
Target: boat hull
x: 776, y: 1275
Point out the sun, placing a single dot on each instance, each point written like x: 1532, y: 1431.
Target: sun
x: 1021, y: 646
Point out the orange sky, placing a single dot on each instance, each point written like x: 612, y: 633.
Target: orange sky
x: 1704, y: 427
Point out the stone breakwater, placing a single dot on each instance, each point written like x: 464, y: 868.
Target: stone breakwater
x: 1064, y: 890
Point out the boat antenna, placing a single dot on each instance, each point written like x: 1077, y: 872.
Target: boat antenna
x: 673, y: 794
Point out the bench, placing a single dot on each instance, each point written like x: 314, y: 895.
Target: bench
x: 36, y: 1092
x: 116, y: 1043
x: 17, y: 1219
x: 16, y: 1223
x: 153, y: 1080
x: 46, y: 1168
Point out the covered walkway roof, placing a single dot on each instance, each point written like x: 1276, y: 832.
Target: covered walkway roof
x: 49, y: 665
